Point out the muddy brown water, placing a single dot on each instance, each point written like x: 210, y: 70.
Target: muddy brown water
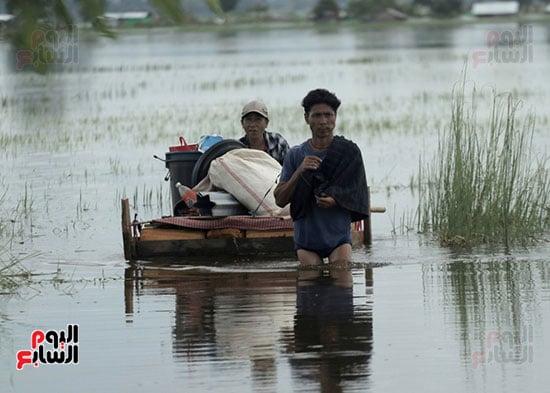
x: 410, y: 315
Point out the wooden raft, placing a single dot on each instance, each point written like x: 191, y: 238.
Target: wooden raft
x: 159, y: 240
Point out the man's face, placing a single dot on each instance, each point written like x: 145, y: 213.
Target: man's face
x: 254, y: 124
x: 321, y: 120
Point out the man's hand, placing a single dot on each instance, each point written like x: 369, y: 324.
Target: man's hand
x: 284, y: 190
x: 310, y: 163
x: 325, y: 201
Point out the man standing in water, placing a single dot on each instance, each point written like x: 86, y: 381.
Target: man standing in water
x: 254, y: 119
x: 324, y: 181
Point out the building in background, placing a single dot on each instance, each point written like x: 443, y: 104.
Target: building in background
x: 495, y: 8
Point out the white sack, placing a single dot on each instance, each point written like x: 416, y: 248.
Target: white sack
x: 249, y: 174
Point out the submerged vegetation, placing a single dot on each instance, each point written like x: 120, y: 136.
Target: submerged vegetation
x: 485, y: 184
x: 12, y: 272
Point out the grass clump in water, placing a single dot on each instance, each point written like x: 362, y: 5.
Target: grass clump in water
x: 12, y: 273
x: 485, y: 185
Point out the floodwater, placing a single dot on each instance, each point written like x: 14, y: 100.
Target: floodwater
x: 409, y: 316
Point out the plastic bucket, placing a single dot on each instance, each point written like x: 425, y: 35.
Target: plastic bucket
x: 181, y: 164
x: 183, y: 146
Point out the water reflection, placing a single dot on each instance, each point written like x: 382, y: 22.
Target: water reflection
x: 332, y: 342
x: 495, y: 307
x: 314, y: 327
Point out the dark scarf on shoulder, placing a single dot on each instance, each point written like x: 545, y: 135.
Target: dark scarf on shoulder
x: 341, y: 175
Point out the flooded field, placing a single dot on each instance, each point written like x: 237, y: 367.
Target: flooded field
x: 411, y: 315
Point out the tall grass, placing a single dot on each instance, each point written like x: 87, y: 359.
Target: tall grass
x: 485, y: 185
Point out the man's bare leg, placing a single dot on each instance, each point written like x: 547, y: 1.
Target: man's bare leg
x: 341, y: 255
x: 339, y: 262
x: 309, y: 258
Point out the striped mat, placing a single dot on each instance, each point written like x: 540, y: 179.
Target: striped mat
x: 238, y: 222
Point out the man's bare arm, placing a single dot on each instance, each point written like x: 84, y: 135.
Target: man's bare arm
x: 284, y: 190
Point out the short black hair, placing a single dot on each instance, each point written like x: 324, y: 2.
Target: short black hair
x: 320, y: 96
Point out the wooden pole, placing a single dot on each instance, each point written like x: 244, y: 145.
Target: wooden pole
x: 126, y: 229
x: 367, y: 229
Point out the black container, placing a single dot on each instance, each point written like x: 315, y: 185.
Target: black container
x: 181, y: 164
x: 217, y: 150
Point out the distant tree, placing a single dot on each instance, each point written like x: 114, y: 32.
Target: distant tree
x: 443, y: 8
x: 30, y: 31
x: 228, y: 5
x: 325, y: 10
x: 170, y: 8
x: 447, y: 7
x: 38, y: 25
x: 89, y: 10
x: 367, y: 9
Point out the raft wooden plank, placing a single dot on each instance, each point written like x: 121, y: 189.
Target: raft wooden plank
x: 269, y: 234
x: 159, y: 234
x: 214, y: 247
x: 224, y: 232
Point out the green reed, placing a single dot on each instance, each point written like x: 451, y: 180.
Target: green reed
x: 485, y: 184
